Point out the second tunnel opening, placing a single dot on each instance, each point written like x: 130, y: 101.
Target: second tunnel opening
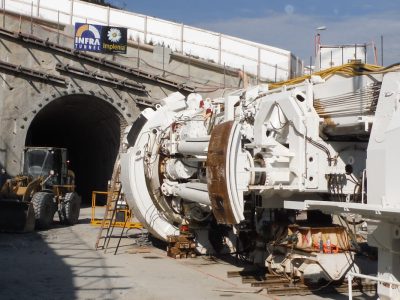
x: 90, y: 129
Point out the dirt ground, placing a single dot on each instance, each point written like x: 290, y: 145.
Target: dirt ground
x: 61, y: 263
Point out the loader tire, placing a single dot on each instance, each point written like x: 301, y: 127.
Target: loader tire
x: 44, y: 208
x: 71, y: 208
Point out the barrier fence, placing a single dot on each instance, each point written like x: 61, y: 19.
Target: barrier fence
x: 265, y: 62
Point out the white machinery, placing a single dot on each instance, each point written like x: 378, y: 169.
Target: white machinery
x: 243, y: 170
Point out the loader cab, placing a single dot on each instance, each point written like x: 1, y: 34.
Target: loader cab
x: 43, y: 161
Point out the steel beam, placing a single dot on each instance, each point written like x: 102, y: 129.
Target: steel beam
x: 23, y: 71
x: 33, y: 40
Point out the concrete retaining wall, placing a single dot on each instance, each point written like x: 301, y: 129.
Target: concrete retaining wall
x: 265, y: 62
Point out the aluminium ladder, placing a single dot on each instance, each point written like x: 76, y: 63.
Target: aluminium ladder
x: 107, y: 224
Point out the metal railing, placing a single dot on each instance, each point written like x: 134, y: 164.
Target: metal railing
x: 352, y: 275
x: 260, y: 60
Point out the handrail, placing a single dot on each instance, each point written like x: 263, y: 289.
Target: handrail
x: 256, y: 62
x: 350, y: 276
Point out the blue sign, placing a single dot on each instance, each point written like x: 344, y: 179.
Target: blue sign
x: 88, y: 37
x: 97, y: 38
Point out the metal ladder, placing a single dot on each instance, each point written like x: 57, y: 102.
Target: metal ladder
x: 107, y: 224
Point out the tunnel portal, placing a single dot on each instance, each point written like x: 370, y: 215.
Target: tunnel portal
x: 90, y: 129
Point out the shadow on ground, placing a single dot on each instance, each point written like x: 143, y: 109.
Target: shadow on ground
x: 30, y: 268
x: 54, y: 264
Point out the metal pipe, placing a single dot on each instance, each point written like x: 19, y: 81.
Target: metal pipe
x: 259, y: 66
x: 350, y: 276
x: 193, y: 191
x: 71, y: 15
x: 382, y: 50
x: 320, y: 58
x: 145, y: 29
x: 163, y: 60
x: 363, y: 186
x: 58, y: 27
x: 244, y: 77
x: 32, y: 17
x: 189, y: 61
x: 194, y: 146
x: 224, y: 75
x: 365, y: 53
x: 342, y: 56
x: 182, y: 36
x: 108, y: 16
x: 220, y: 48
x: 4, y: 13
x: 349, y: 280
x: 138, y: 54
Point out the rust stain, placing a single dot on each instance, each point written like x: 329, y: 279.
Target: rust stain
x: 216, y: 173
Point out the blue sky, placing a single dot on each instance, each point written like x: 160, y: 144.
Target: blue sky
x: 290, y: 25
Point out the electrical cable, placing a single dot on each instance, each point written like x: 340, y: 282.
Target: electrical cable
x: 348, y: 70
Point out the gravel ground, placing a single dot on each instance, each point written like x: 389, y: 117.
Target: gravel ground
x: 61, y: 263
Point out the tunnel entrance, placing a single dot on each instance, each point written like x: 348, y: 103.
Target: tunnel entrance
x: 90, y: 129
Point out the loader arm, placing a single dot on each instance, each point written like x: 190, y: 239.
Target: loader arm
x: 32, y: 187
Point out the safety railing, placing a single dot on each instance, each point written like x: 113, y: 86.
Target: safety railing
x: 123, y: 217
x: 352, y: 275
x: 263, y: 61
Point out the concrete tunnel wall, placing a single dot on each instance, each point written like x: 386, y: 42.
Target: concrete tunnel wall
x: 84, y: 114
x: 88, y: 124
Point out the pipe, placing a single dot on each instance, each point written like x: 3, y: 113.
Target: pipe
x: 193, y: 191
x: 194, y: 146
x: 363, y: 186
x: 350, y: 276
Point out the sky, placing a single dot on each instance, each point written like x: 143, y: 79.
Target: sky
x: 290, y: 25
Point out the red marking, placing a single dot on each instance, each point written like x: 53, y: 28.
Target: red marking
x: 184, y: 228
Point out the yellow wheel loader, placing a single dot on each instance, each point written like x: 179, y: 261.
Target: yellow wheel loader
x: 46, y: 186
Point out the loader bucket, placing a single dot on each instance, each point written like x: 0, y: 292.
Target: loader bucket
x: 16, y: 216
